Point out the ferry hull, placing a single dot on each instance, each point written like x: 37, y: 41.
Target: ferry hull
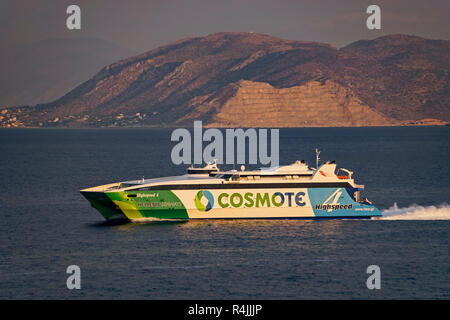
x: 306, y: 203
x: 108, y: 209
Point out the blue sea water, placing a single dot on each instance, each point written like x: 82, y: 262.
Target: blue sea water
x: 46, y: 225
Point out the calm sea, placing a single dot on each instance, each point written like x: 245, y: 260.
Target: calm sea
x: 46, y: 225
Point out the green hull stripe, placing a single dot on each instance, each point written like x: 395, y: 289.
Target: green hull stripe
x: 149, y: 204
x: 103, y: 204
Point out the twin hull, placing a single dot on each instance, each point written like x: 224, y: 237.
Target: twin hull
x: 231, y: 204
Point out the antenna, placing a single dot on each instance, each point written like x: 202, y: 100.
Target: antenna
x: 317, y: 158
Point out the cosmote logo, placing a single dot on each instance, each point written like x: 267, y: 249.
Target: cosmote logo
x: 204, y: 200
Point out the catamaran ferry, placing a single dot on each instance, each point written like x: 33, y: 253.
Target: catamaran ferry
x: 294, y: 191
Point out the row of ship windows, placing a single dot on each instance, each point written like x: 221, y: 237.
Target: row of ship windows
x: 244, y: 186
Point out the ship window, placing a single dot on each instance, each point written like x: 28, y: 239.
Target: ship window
x: 144, y: 189
x: 224, y: 176
x: 127, y: 185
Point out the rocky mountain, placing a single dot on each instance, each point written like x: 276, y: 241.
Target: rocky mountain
x: 250, y: 80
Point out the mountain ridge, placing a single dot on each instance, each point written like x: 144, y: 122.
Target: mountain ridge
x: 396, y: 79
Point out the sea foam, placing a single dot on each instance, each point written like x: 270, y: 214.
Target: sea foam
x: 417, y: 212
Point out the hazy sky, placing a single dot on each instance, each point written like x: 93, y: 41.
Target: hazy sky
x: 143, y: 25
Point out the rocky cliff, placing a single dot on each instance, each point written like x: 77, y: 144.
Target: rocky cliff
x: 252, y: 80
x: 312, y: 104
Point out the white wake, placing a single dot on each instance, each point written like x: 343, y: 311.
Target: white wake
x: 417, y: 212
